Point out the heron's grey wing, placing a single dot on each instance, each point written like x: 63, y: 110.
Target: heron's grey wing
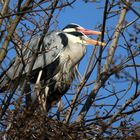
x: 48, y: 53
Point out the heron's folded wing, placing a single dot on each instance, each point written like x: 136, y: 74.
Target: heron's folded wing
x: 49, y: 51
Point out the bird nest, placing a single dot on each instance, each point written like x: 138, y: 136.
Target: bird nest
x: 38, y: 126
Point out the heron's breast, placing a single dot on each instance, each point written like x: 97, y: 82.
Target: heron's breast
x: 73, y: 55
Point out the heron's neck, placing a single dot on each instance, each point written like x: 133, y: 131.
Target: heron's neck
x: 73, y: 54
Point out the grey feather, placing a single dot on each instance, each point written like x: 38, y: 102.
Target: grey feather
x: 48, y: 53
x: 52, y: 48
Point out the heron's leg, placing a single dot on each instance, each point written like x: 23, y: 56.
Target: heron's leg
x: 44, y: 98
x: 38, y: 88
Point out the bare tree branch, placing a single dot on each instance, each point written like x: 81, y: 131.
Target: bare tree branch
x: 106, y: 68
x: 11, y: 30
x: 118, y: 113
x: 4, y: 10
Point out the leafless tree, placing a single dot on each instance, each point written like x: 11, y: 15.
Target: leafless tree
x: 103, y: 103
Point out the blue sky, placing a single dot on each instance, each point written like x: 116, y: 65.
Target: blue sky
x: 82, y: 13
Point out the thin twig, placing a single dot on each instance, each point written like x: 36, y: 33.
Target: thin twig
x: 106, y: 68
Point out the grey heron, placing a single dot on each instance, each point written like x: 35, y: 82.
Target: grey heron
x: 59, y: 54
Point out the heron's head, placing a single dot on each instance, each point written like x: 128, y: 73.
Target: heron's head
x: 78, y: 34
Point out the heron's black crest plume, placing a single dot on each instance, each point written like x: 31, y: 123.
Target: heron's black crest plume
x: 72, y: 25
x: 77, y: 34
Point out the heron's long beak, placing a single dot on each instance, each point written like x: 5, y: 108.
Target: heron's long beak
x: 90, y: 41
x: 89, y: 32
